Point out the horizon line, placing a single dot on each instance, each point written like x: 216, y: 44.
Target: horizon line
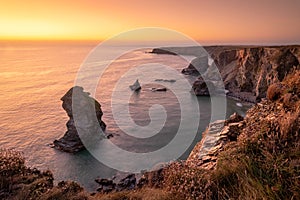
x: 205, y: 43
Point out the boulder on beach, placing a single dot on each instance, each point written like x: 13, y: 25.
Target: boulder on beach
x: 88, y: 119
x: 136, y: 86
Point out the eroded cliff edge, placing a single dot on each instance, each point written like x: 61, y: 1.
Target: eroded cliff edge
x: 247, y: 71
x: 252, y: 158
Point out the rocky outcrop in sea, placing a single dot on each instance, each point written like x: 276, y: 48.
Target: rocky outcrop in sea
x: 88, y: 124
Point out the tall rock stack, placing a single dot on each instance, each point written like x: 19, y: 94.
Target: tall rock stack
x: 88, y: 120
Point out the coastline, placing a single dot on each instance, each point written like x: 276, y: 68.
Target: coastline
x: 68, y: 187
x: 247, y: 71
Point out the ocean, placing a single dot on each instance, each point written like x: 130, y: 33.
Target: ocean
x: 35, y: 75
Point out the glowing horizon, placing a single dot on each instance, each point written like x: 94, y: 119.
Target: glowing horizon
x: 233, y: 21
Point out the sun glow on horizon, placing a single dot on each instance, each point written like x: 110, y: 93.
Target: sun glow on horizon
x: 215, y: 21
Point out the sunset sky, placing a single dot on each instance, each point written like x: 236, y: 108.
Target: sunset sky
x: 210, y: 21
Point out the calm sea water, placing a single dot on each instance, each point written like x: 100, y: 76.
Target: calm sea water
x: 34, y: 76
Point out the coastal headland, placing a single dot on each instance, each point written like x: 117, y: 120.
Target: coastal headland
x: 251, y: 157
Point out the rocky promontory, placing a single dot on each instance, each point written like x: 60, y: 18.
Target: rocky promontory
x: 86, y: 106
x: 255, y: 157
x: 246, y: 71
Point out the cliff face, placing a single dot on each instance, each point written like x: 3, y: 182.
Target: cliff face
x: 214, y: 138
x: 247, y: 72
x: 252, y: 158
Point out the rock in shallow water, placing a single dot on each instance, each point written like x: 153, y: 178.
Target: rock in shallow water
x: 165, y: 80
x: 136, y: 86
x: 88, y: 123
x: 163, y: 89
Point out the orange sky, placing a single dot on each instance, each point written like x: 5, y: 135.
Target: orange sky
x: 215, y: 21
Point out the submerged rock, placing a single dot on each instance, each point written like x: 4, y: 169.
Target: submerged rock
x: 165, y: 80
x: 136, y: 86
x: 88, y: 123
x: 163, y: 89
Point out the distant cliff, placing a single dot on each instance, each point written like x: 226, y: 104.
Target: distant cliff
x: 250, y: 70
x: 247, y: 71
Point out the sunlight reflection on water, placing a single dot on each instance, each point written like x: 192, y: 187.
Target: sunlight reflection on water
x: 34, y: 78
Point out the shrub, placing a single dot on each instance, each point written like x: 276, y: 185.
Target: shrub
x: 274, y: 91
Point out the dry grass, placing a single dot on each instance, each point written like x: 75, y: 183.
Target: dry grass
x: 66, y: 190
x: 18, y: 182
x: 142, y: 194
x: 265, y: 161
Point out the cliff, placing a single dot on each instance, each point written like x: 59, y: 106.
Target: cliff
x: 248, y: 71
x: 260, y: 161
x: 256, y: 157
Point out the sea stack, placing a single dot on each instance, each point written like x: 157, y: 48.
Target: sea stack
x: 88, y: 122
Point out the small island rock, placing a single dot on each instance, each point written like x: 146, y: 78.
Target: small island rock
x: 136, y: 86
x: 71, y: 141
